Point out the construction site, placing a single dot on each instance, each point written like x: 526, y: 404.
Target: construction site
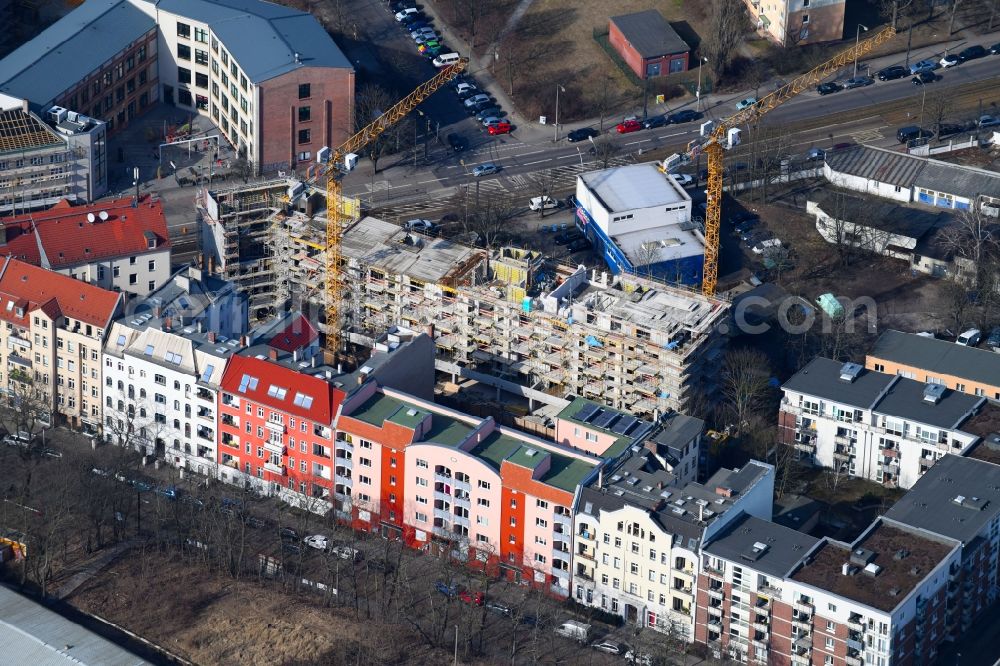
x: 509, y: 314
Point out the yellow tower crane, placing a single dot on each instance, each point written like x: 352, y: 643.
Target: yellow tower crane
x: 340, y: 162
x: 726, y: 134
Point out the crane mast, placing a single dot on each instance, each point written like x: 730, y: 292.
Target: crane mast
x: 719, y: 139
x: 340, y: 162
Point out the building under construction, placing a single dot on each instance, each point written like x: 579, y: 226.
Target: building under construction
x: 634, y: 344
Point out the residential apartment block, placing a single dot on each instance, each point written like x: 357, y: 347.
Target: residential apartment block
x: 49, y: 156
x: 163, y: 365
x: 116, y: 244
x: 797, y: 22
x: 881, y: 427
x: 639, y: 532
x: 239, y: 62
x: 51, y: 343
x: 446, y: 481
x: 926, y: 359
x: 770, y: 595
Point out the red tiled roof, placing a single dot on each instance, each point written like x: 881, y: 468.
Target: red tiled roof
x: 32, y: 288
x: 295, y: 336
x: 69, y: 239
x: 325, y: 397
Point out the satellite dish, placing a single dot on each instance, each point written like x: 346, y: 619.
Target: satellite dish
x: 103, y: 215
x: 91, y: 218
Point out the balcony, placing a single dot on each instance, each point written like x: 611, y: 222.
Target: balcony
x: 229, y: 420
x: 891, y: 453
x: 586, y: 555
x: 275, y: 427
x: 274, y: 447
x: 586, y: 533
x: 444, y: 497
x: 717, y: 593
x: 927, y: 463
x: 803, y: 607
x: 459, y: 484
x: 204, y: 394
x: 769, y: 591
x: 206, y: 434
x: 714, y: 625
x: 853, y: 658
x: 802, y: 621
x: 841, y: 454
x: 761, y: 626
x: 805, y: 447
x: 715, y: 611
x: 206, y: 414
x: 801, y: 659
x: 687, y: 589
x: 762, y: 603
x: 275, y: 469
x: 803, y: 643
x: 855, y: 623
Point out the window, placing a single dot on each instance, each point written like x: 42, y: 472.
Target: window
x: 805, y: 19
x: 485, y: 485
x: 541, y: 504
x: 829, y: 643
x: 305, y: 91
x: 420, y: 481
x: 183, y: 51
x: 183, y: 75
x: 421, y: 517
x: 183, y: 30
x: 201, y: 35
x: 304, y: 114
x: 541, y: 523
x: 304, y: 136
x: 481, y: 501
x: 591, y: 436
x: 201, y: 80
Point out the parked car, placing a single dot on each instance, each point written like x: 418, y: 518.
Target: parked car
x: 972, y: 52
x: 969, y: 338
x: 815, y: 154
x: 582, y: 134
x: 170, y: 492
x: 489, y: 121
x: 567, y: 237
x: 446, y: 59
x: 469, y: 597
x: 488, y: 112
x: 418, y: 225
x: 950, y: 60
x: 859, y: 82
x: 912, y: 133
x: 577, y: 631
x: 422, y: 33
x: 655, y: 121
x: 893, y: 72
x: 951, y: 130
x: 445, y: 589
x: 464, y: 89
x: 287, y: 534
x: 480, y: 105
x: 828, y: 87
x: 291, y: 548
x: 476, y: 99
x: 346, y: 553
x: 502, y: 127
x: 923, y: 77
x: 457, y: 142
x: 765, y: 245
x: 746, y: 103
x: 408, y: 14
x: 627, y: 126
x: 499, y: 608
x: 924, y: 66
x: 683, y: 179
x: 579, y: 245
x: 685, y: 116
x: 610, y: 647
x: 744, y: 216
x: 989, y: 121
x: 52, y: 453
x: 542, y: 203
x: 317, y: 541
x: 429, y: 49
x: 993, y: 341
x: 485, y: 169
x: 995, y: 49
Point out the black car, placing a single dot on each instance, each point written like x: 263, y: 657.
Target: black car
x: 476, y: 108
x: 950, y: 130
x: 489, y: 112
x: 567, y: 237
x: 743, y: 216
x: 457, y: 142
x: 912, y: 133
x: 578, y: 245
x: 859, y: 82
x: 995, y: 49
x: 685, y: 116
x: 655, y: 121
x: 924, y: 77
x: 894, y: 72
x: 829, y: 87
x: 972, y: 53
x: 582, y: 134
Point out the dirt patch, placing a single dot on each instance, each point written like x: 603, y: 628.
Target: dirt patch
x: 211, y: 620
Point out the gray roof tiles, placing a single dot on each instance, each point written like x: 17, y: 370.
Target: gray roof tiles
x: 820, y: 378
x: 930, y: 504
x: 784, y: 547
x: 650, y: 34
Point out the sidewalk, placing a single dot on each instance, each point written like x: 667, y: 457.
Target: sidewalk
x: 92, y: 567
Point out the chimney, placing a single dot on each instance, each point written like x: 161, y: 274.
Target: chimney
x: 201, y: 326
x: 600, y: 477
x: 211, y: 336
x: 361, y: 378
x: 701, y: 513
x: 166, y: 324
x: 295, y: 355
x: 244, y: 341
x: 272, y: 354
x: 312, y: 361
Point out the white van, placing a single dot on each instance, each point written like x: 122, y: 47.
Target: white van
x: 446, y: 59
x: 539, y: 203
x: 970, y: 338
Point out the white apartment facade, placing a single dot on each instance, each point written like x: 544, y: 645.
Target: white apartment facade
x: 885, y: 428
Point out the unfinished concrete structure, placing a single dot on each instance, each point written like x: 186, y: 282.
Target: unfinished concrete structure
x: 631, y: 343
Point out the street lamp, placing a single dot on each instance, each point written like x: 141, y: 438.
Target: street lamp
x: 698, y: 93
x: 857, y: 41
x: 556, y: 133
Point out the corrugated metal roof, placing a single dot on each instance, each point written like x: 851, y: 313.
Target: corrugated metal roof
x: 633, y: 186
x: 72, y: 47
x: 32, y: 634
x: 650, y: 34
x: 959, y: 180
x: 878, y: 164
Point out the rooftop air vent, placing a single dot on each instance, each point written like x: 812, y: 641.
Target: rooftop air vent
x: 933, y: 393
x: 872, y: 569
x: 849, y: 372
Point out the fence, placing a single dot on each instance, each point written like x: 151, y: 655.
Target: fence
x: 926, y: 150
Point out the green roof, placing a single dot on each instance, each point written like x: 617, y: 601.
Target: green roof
x: 405, y: 418
x: 527, y: 456
x: 447, y: 431
x: 566, y: 473
x: 496, y: 448
x: 377, y: 409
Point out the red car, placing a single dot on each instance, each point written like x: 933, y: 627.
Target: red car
x: 502, y: 127
x: 476, y: 598
x: 628, y: 126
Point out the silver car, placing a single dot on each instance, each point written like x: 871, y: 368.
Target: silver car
x: 485, y: 169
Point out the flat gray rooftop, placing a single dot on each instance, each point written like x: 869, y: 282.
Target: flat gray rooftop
x: 761, y: 545
x: 820, y: 378
x: 938, y: 357
x: 634, y: 186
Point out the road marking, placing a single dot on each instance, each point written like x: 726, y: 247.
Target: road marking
x: 670, y: 136
x: 432, y: 180
x: 538, y: 162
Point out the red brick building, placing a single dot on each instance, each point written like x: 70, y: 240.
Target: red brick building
x: 649, y: 44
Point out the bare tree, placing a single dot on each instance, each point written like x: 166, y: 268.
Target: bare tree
x: 745, y: 374
x: 951, y: 21
x: 936, y: 107
x: 726, y: 26
x: 605, y: 150
x: 977, y: 241
x: 491, y: 220
x: 605, y: 98
x: 371, y: 101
